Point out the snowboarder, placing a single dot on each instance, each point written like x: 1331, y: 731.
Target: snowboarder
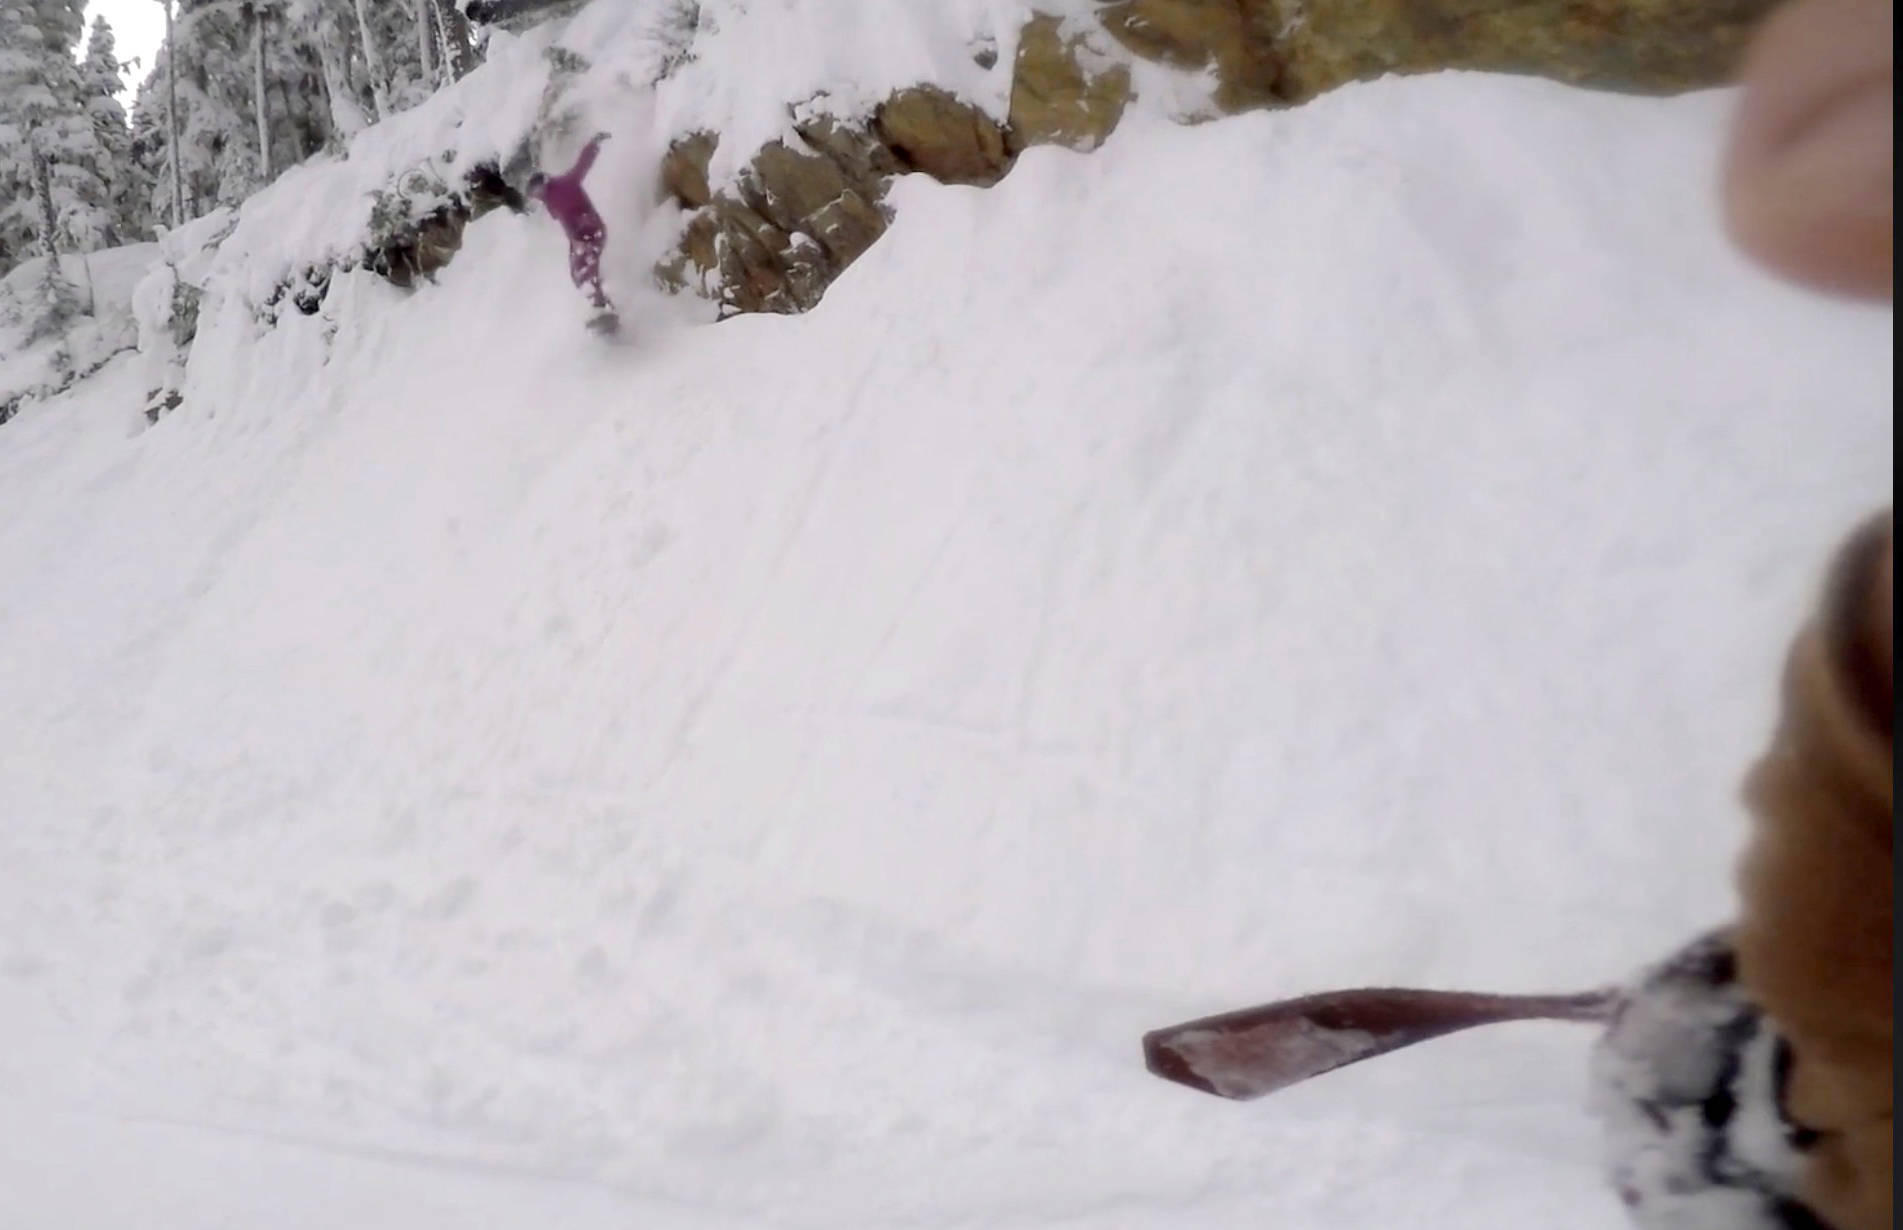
x: 567, y: 202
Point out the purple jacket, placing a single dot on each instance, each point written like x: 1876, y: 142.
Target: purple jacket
x: 568, y: 202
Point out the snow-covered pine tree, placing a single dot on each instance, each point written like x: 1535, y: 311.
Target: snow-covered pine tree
x: 250, y: 101
x: 101, y: 84
x: 430, y: 72
x: 258, y: 16
x: 55, y: 304
x: 373, y: 60
x: 82, y: 165
x: 261, y: 85
x: 157, y: 122
x: 300, y: 120
x: 367, y: 53
x: 151, y: 149
x: 320, y: 23
x: 175, y: 174
x: 19, y: 73
x: 216, y: 153
x: 404, y: 58
x: 52, y: 165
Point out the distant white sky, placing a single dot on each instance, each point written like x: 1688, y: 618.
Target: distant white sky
x: 138, y: 27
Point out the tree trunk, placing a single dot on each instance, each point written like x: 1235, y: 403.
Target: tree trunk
x: 260, y: 104
x: 296, y: 132
x: 171, y: 120
x: 49, y: 216
x: 425, y: 45
x: 373, y: 63
x: 447, y: 66
x: 459, y: 53
x: 346, y: 117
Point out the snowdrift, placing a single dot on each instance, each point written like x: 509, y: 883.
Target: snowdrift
x: 102, y: 284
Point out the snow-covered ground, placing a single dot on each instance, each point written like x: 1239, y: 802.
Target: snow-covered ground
x: 457, y: 773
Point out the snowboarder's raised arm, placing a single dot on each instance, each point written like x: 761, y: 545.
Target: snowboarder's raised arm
x: 587, y: 159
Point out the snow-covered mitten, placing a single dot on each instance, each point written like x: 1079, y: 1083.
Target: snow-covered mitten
x: 1689, y: 1081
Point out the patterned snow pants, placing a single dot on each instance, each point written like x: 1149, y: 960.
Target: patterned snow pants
x: 584, y: 263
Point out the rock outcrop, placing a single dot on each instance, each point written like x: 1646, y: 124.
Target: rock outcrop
x: 798, y: 214
x: 1265, y: 52
x: 410, y: 240
x: 1062, y: 93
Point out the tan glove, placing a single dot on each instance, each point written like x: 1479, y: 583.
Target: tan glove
x: 1814, y: 940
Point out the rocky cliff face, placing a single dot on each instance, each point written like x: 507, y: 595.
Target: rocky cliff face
x: 799, y: 214
x: 1269, y: 52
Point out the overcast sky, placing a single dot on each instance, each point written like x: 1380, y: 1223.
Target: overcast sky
x: 138, y: 27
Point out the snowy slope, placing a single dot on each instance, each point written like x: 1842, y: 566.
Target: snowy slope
x: 771, y: 775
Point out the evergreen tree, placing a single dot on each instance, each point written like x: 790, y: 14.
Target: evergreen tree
x: 54, y: 305
x: 249, y: 103
x: 151, y: 149
x: 369, y: 39
x: 20, y: 52
x: 322, y: 26
x: 454, y: 43
x: 101, y: 85
x: 53, y: 167
x: 261, y: 85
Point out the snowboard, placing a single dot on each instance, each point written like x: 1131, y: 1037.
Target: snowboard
x: 605, y: 323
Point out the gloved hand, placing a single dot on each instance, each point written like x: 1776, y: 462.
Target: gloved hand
x: 1814, y: 934
x: 1687, y: 1085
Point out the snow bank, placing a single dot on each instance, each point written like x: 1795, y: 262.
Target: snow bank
x: 103, y: 284
x: 773, y: 774
x: 649, y: 73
